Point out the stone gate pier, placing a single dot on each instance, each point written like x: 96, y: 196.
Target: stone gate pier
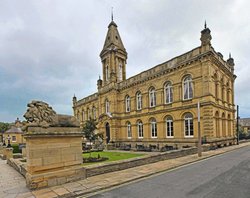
x: 53, y: 148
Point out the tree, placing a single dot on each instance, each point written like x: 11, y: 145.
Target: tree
x: 4, y: 127
x: 89, y: 131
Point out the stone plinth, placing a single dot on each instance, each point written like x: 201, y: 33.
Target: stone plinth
x: 54, y: 156
x: 7, y: 153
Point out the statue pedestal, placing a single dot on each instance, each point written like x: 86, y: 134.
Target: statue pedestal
x: 54, y: 156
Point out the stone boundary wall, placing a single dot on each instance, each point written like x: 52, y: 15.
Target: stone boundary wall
x: 130, y: 163
x: 18, y: 165
x: 120, y: 165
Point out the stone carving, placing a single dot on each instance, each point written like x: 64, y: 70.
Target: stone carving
x: 40, y: 114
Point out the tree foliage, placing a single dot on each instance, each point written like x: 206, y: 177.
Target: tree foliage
x: 4, y: 126
x: 89, y: 130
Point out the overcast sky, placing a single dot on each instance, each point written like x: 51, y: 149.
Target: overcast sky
x: 49, y: 50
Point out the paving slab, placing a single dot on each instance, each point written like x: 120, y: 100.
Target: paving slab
x: 12, y: 184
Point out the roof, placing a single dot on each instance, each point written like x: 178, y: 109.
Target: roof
x: 244, y: 121
x: 113, y: 39
x: 14, y: 129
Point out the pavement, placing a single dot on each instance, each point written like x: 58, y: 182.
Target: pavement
x: 13, y: 184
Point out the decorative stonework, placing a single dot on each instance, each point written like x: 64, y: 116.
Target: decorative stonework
x: 40, y: 114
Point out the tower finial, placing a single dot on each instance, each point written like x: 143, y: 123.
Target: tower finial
x: 230, y: 55
x: 205, y: 25
x: 112, y: 17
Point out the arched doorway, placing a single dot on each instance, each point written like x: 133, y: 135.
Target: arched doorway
x: 107, y: 132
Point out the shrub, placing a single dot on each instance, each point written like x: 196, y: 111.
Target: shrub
x: 15, y: 148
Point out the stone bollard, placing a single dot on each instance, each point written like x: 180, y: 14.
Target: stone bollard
x: 23, y: 152
x: 7, y: 153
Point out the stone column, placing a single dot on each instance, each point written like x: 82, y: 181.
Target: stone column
x: 54, y: 156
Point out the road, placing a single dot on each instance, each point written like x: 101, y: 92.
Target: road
x: 223, y: 176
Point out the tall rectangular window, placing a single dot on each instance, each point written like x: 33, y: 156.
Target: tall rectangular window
x: 140, y: 129
x: 129, y: 132
x: 138, y: 101
x: 153, y: 129
x: 189, y: 126
x: 170, y: 127
x: 152, y: 97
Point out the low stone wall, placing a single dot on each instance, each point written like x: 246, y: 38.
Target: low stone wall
x: 18, y: 165
x: 113, y: 166
x: 125, y: 164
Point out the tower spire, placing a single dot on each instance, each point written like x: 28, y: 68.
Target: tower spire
x: 112, y: 17
x: 205, y: 25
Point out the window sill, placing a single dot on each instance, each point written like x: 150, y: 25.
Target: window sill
x: 154, y: 137
x: 170, y: 137
x: 188, y: 136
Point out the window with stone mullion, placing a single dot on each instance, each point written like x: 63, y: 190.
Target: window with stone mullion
x: 140, y: 130
x: 139, y: 101
x: 153, y: 129
x: 170, y: 128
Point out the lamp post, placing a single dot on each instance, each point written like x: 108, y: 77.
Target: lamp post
x: 237, y: 123
x: 9, y: 145
x: 199, y: 131
x: 4, y: 144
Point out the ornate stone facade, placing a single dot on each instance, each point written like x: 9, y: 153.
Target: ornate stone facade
x: 158, y: 107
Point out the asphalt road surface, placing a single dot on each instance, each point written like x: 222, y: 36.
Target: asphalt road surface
x: 223, y: 176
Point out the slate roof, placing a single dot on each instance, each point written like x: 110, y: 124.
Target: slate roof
x: 244, y: 121
x: 14, y: 129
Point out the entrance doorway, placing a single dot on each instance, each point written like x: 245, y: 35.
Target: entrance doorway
x: 107, y: 133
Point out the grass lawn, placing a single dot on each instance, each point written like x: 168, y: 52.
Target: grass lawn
x: 113, y: 156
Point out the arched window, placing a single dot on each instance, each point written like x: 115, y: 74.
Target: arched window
x: 129, y: 132
x: 152, y: 97
x: 153, y: 128
x: 189, y: 125
x: 120, y: 72
x: 229, y: 125
x: 168, y: 93
x: 107, y: 106
x: 187, y: 88
x: 169, y: 127
x: 88, y: 114
x: 138, y: 101
x: 217, y: 124
x: 127, y: 104
x: 222, y: 93
x: 228, y: 96
x: 140, y: 129
x: 94, y: 112
x: 228, y: 93
x: 223, y: 125
x: 216, y: 86
x: 107, y: 73
x: 83, y: 115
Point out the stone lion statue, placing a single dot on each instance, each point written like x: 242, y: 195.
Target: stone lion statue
x: 42, y: 115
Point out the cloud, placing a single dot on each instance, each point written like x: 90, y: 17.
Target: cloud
x: 49, y: 50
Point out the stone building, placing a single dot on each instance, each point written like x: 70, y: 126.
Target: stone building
x: 15, y: 133
x: 158, y: 107
x: 245, y: 125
